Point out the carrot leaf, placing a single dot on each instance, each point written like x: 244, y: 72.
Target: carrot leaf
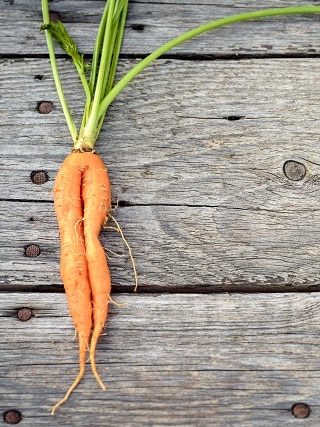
x: 99, y: 87
x: 60, y: 34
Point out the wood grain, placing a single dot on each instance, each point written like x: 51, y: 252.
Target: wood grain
x: 210, y: 200
x: 176, y: 248
x: 167, y: 360
x: 162, y: 21
x: 168, y: 140
x: 216, y: 166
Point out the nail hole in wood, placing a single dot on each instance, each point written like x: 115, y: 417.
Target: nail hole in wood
x: 24, y: 314
x: 39, y: 177
x: 301, y: 410
x: 45, y: 107
x: 137, y: 27
x: 12, y: 417
x: 233, y: 118
x: 32, y: 251
x: 294, y: 171
x: 39, y: 77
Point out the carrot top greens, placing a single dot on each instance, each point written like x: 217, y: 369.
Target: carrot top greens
x: 98, y: 77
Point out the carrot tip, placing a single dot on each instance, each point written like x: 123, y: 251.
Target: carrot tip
x: 95, y: 373
x: 93, y: 362
x: 67, y: 395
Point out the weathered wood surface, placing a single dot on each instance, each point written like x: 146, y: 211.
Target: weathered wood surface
x: 176, y: 248
x: 196, y: 153
x: 150, y: 24
x: 221, y: 360
x: 209, y: 196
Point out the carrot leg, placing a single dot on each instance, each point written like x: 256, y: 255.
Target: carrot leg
x: 73, y: 264
x: 96, y: 196
x: 73, y: 386
x: 100, y: 287
x: 82, y: 202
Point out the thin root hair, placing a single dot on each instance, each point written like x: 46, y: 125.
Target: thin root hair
x: 129, y: 250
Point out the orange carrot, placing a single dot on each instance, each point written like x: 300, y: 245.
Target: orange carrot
x: 82, y: 190
x: 82, y: 200
x: 96, y: 196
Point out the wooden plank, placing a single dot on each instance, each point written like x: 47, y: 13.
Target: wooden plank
x: 176, y: 360
x: 233, y: 220
x: 176, y: 248
x: 167, y: 139
x: 162, y: 21
x: 196, y: 152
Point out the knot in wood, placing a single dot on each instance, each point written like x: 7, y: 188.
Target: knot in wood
x: 293, y: 170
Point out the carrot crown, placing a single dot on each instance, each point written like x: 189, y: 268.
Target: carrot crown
x: 98, y: 85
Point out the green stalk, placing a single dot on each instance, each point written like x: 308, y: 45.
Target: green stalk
x: 89, y: 136
x: 113, y: 48
x: 115, y: 58
x: 192, y: 33
x: 98, y: 48
x: 99, y: 91
x: 55, y: 73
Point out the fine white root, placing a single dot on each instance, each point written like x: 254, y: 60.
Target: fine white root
x: 119, y: 230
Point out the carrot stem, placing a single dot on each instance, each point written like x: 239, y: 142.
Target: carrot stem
x: 193, y: 33
x: 109, y: 39
x: 55, y: 73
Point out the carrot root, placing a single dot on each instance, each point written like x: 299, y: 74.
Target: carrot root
x: 94, y: 342
x: 119, y: 230
x: 68, y: 394
x: 82, y: 202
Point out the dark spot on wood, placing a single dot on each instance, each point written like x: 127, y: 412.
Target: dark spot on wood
x: 54, y: 16
x: 39, y: 177
x: 31, y: 219
x: 24, y: 314
x: 12, y: 417
x: 233, y: 118
x: 293, y: 170
x: 39, y: 77
x: 122, y: 203
x: 137, y: 27
x: 301, y: 410
x: 32, y: 251
x: 45, y: 107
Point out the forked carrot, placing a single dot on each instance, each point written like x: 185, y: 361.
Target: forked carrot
x: 82, y: 193
x: 82, y: 199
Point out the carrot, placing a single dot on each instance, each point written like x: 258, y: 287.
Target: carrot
x: 82, y: 193
x: 96, y: 196
x: 73, y: 265
x: 82, y: 199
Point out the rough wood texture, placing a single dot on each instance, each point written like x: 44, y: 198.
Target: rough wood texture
x: 216, y: 165
x: 174, y: 361
x: 193, y: 176
x: 162, y: 21
x: 185, y: 248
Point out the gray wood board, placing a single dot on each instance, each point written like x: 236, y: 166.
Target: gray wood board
x: 175, y: 360
x: 212, y: 208
x: 167, y: 139
x: 162, y: 21
x: 176, y: 248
